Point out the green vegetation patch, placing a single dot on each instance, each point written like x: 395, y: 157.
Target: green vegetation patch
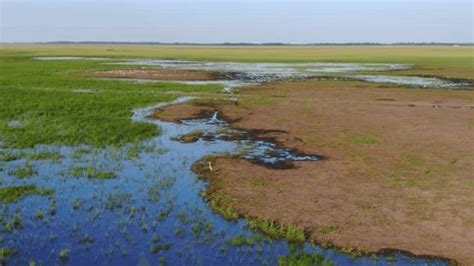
x: 54, y: 156
x: 92, y: 172
x: 241, y: 241
x: 52, y: 104
x: 8, y: 157
x: 24, y: 171
x: 273, y: 229
x: 304, y: 259
x: 365, y: 139
x: 15, y: 193
x: 5, y: 253
x: 328, y: 229
x: 220, y: 202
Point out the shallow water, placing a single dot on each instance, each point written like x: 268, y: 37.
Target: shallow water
x: 152, y: 211
x: 411, y: 81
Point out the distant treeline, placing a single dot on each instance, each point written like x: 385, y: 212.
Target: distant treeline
x: 251, y: 44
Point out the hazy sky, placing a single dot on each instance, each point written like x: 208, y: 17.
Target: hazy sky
x: 295, y: 21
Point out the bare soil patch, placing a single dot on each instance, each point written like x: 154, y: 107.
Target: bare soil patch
x: 397, y: 174
x: 158, y: 74
x: 177, y: 113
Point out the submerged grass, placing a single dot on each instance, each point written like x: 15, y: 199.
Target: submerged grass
x: 24, y: 171
x: 54, y: 156
x: 15, y: 193
x: 91, y: 172
x: 304, y: 259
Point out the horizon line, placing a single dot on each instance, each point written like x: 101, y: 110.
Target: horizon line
x: 247, y: 43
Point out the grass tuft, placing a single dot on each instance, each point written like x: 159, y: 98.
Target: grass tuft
x: 365, y: 139
x: 292, y: 233
x: 14, y: 193
x: 304, y: 259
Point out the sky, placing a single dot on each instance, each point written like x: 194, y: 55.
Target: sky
x: 256, y: 21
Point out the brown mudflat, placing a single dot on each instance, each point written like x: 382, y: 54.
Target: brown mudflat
x: 398, y: 173
x: 178, y: 112
x: 157, y: 74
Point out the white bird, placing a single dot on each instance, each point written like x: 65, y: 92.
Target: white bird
x: 210, y: 166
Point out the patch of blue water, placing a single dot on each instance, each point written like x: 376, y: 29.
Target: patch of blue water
x: 151, y: 212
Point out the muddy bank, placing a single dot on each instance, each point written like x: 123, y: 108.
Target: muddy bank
x: 397, y: 173
x: 158, y: 74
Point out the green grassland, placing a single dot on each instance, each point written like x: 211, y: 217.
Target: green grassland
x: 46, y: 102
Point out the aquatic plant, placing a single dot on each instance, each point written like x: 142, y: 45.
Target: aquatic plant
x: 24, y: 171
x: 154, y: 193
x: 91, y: 172
x: 87, y: 239
x: 133, y: 152
x: 241, y: 240
x: 117, y: 201
x: 353, y: 252
x: 157, y: 248
x: 391, y: 259
x: 162, y: 261
x: 5, y: 252
x: 156, y: 238
x: 54, y: 156
x: 273, y: 229
x: 14, y: 193
x: 167, y: 182
x: 7, y: 157
x: 64, y: 254
x: 183, y: 217
x: 39, y: 214
x: 304, y: 259
x: 52, y: 207
x: 76, y: 204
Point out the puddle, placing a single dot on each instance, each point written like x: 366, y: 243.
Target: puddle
x: 150, y: 211
x: 411, y: 81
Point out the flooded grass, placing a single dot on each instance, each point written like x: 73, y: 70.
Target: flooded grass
x: 14, y: 193
x: 273, y: 229
x: 304, y: 259
x: 24, y: 171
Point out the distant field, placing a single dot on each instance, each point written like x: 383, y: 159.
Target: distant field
x: 448, y: 61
